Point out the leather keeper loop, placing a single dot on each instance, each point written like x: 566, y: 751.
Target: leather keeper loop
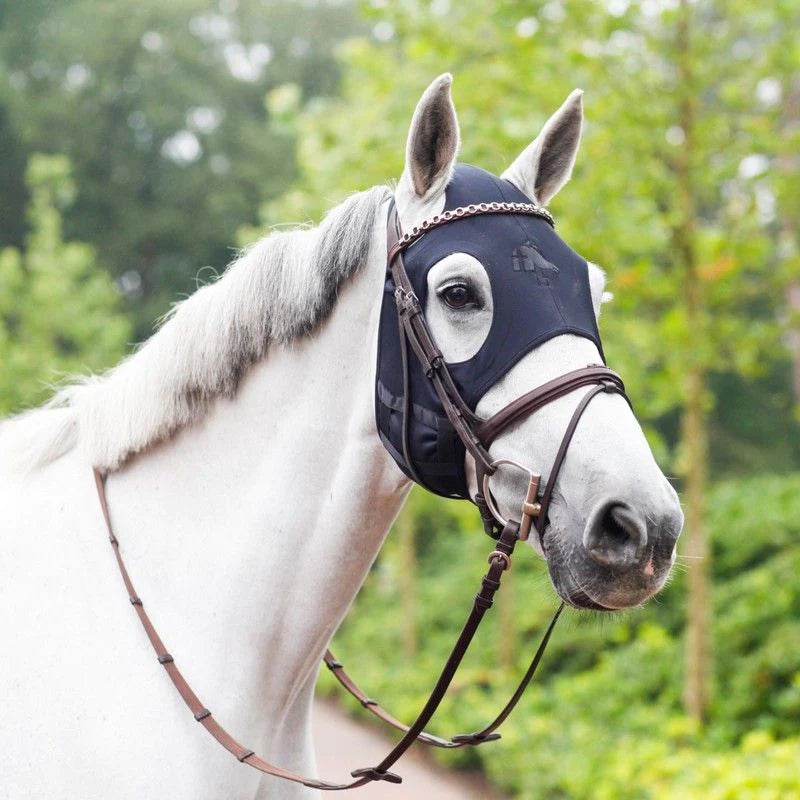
x: 482, y: 603
x: 532, y: 509
x: 374, y: 775
x: 165, y: 659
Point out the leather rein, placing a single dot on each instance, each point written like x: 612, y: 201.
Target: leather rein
x: 477, y: 436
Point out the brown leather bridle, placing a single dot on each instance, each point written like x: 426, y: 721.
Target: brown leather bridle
x: 477, y: 436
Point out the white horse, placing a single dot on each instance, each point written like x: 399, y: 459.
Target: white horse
x: 251, y: 493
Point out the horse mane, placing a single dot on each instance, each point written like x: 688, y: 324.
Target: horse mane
x: 276, y: 290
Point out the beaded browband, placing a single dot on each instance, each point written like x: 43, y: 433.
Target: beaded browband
x: 463, y: 212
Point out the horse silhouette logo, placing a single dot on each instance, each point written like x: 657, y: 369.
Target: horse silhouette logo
x: 526, y: 258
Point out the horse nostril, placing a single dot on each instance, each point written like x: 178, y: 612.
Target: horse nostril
x: 615, y: 536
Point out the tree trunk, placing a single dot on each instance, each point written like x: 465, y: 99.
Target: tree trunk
x: 696, y: 695
x: 408, y: 578
x: 793, y: 303
x: 695, y: 422
x: 786, y: 164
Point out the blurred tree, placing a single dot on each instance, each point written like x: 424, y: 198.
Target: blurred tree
x: 697, y: 364
x: 160, y: 108
x: 57, y: 306
x: 778, y: 89
x: 406, y: 535
x: 12, y: 226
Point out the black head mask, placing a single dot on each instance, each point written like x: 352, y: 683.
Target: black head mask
x: 540, y: 289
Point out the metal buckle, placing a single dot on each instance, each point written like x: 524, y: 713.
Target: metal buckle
x: 530, y: 509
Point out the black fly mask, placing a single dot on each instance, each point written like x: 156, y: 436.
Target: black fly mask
x: 540, y: 289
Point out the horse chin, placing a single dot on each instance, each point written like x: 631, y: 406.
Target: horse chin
x: 587, y: 586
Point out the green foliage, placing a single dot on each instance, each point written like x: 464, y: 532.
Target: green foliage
x: 605, y: 719
x: 58, y: 308
x: 160, y: 108
x: 514, y: 63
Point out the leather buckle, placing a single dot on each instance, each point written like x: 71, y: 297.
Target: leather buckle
x: 530, y: 508
x: 434, y: 365
x: 501, y: 556
x: 407, y: 302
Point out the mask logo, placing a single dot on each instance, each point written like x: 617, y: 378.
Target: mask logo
x: 526, y: 258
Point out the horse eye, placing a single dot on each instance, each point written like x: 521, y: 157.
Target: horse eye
x: 458, y: 296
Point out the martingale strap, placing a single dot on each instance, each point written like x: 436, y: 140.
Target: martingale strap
x: 477, y: 436
x: 486, y: 734
x: 499, y: 561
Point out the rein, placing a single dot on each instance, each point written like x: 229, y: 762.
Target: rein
x: 477, y: 436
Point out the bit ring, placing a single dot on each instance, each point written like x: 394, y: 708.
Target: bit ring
x: 531, y: 508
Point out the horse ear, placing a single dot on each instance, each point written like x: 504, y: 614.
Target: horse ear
x: 433, y: 140
x: 545, y: 165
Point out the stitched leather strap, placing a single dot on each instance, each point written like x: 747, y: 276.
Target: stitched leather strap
x: 541, y: 521
x: 530, y: 402
x: 412, y: 322
x: 463, y: 212
x: 484, y: 735
x: 539, y: 397
x: 499, y: 561
x: 483, y: 601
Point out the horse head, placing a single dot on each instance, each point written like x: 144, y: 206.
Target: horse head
x: 510, y: 307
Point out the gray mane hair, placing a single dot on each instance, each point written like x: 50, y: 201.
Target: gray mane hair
x: 276, y: 290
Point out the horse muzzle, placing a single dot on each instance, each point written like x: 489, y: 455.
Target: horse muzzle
x: 622, y: 558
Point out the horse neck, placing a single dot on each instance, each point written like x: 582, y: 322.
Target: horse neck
x: 249, y: 533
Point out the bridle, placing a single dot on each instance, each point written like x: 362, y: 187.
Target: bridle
x: 477, y: 436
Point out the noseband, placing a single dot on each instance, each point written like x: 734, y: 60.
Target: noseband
x: 477, y: 436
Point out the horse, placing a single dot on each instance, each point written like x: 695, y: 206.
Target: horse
x: 251, y: 493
